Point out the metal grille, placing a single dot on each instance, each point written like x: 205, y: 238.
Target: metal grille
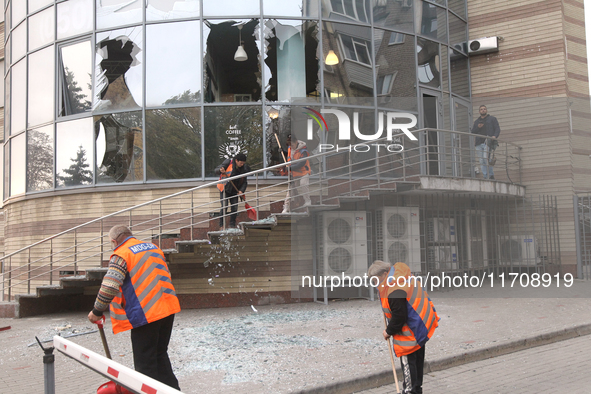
x: 397, y: 226
x: 339, y: 231
x: 582, y: 206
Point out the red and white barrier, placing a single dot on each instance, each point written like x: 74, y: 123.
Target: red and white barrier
x: 118, y: 373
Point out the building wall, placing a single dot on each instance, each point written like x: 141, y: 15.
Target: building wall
x: 537, y: 86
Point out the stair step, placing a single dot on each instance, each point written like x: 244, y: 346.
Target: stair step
x: 169, y: 251
x: 8, y: 310
x: 49, y: 290
x: 353, y: 198
x: 215, y: 236
x: 322, y: 207
x: 96, y: 273
x: 79, y: 281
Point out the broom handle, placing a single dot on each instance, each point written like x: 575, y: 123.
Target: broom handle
x: 280, y: 148
x: 392, y: 358
x: 103, y: 337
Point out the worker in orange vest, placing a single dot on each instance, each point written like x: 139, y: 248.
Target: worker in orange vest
x: 142, y: 299
x: 411, y: 317
x: 299, y: 172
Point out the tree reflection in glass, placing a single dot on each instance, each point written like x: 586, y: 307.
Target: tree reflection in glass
x: 74, y: 152
x: 173, y: 142
x: 74, y: 81
x: 40, y: 158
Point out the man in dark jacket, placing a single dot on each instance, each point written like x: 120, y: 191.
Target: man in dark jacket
x: 485, y: 125
x: 230, y: 191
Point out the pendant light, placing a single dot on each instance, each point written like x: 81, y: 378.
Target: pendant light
x: 240, y: 55
x: 331, y: 58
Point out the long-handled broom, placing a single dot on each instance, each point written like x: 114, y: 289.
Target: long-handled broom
x: 391, y: 357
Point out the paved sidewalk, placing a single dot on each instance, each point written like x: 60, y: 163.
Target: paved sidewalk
x: 308, y: 347
x: 561, y: 367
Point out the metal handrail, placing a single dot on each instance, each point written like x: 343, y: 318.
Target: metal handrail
x: 337, y: 178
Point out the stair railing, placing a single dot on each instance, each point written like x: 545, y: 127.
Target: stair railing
x: 341, y: 171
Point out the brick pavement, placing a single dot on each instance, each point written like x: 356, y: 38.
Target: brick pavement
x: 563, y: 367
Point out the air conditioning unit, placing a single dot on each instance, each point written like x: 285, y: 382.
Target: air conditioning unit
x: 442, y: 258
x: 483, y: 45
x: 344, y: 243
x: 398, y: 236
x: 476, y: 239
x: 441, y: 230
x: 518, y: 250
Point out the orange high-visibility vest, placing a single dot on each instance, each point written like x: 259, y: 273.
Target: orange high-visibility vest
x: 221, y: 185
x: 422, y: 317
x: 147, y: 293
x: 305, y: 169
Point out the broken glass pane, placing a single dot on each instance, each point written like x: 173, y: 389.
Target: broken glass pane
x: 112, y: 13
x: 173, y: 73
x: 158, y: 10
x: 291, y: 61
x: 225, y: 78
x: 300, y: 8
x: 119, y: 147
x: 75, y: 78
x: 118, y: 82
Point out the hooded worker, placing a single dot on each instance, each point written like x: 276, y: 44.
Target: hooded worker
x: 299, y: 172
x: 411, y: 317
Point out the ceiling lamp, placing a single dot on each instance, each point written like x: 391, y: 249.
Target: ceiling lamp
x: 331, y: 58
x: 240, y: 55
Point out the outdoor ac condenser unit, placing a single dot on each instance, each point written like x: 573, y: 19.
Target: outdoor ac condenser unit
x: 518, y: 250
x: 476, y: 239
x: 441, y: 230
x: 344, y: 243
x: 442, y: 258
x: 483, y: 45
x: 398, y: 236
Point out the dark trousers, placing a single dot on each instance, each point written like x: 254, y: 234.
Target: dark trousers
x: 150, y: 351
x: 412, y: 372
x: 233, y: 202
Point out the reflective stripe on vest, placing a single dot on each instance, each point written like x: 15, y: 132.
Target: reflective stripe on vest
x: 221, y: 185
x: 422, y: 317
x: 147, y: 293
x: 305, y: 169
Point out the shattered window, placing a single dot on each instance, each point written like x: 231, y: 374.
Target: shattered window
x: 291, y: 61
x: 284, y: 8
x: 157, y: 10
x: 231, y: 61
x: 74, y: 153
x: 112, y: 13
x: 74, y: 78
x: 118, y: 82
x: 119, y: 147
x: 40, y: 158
x: 173, y: 73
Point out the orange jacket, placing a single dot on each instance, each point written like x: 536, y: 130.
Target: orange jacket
x: 147, y: 293
x: 422, y: 317
x: 226, y: 174
x: 299, y: 154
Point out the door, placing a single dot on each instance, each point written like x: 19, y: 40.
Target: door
x: 432, y: 118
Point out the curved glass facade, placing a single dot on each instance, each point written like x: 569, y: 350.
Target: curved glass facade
x: 104, y: 92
